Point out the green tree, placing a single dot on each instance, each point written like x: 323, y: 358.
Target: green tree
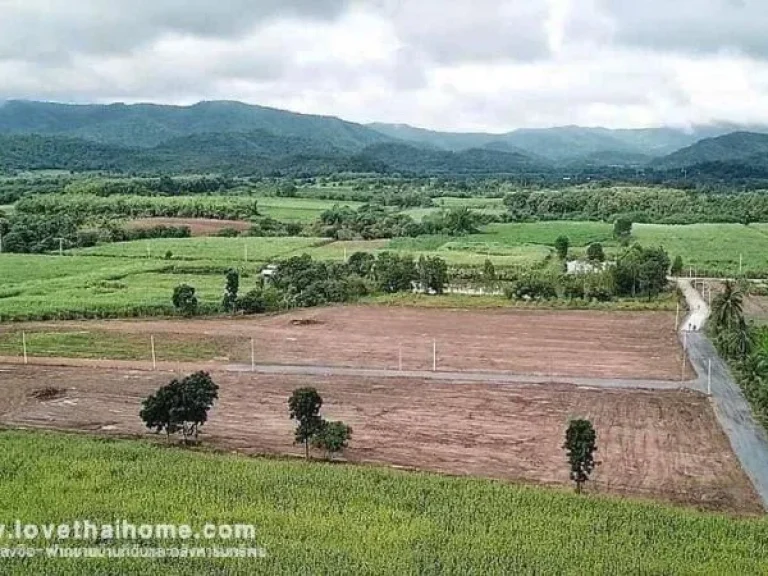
x: 181, y: 405
x: 304, y: 407
x: 433, y: 274
x: 580, y: 445
x: 595, y: 252
x: 184, y: 299
x: 489, y: 273
x: 229, y: 303
x: 727, y: 308
x: 622, y: 229
x: 677, y: 266
x: 562, y: 243
x: 395, y: 273
x: 332, y: 438
x: 361, y: 263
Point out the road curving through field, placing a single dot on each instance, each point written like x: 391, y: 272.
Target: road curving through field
x: 748, y: 438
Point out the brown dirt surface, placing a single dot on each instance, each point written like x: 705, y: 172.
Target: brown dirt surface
x: 640, y: 345
x: 661, y: 445
x: 197, y: 226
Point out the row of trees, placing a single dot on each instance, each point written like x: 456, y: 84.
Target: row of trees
x: 301, y: 281
x: 644, y: 205
x: 182, y: 406
x: 637, y: 271
x: 743, y: 345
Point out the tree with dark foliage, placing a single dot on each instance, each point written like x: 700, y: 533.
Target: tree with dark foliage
x: 581, y: 445
x: 304, y: 406
x: 181, y: 406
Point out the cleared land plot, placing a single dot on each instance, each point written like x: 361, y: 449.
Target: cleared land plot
x: 197, y: 226
x: 664, y: 445
x: 640, y: 345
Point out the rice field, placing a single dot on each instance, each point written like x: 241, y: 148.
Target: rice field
x: 334, y: 519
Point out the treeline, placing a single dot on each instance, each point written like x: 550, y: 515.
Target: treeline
x: 85, y: 207
x: 743, y: 344
x: 27, y: 233
x: 163, y: 186
x: 644, y: 205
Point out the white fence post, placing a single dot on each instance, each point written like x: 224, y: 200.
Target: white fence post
x: 24, y: 346
x: 154, y: 357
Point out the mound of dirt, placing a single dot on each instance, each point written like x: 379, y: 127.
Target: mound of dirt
x: 47, y: 393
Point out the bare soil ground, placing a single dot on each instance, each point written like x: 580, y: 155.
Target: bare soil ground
x: 662, y: 445
x: 640, y: 345
x: 197, y: 226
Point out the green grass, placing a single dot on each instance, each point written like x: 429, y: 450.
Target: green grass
x: 711, y: 248
x: 335, y: 519
x: 50, y: 287
x: 217, y: 249
x: 112, y: 345
x: 665, y: 302
x: 298, y: 209
x: 544, y: 233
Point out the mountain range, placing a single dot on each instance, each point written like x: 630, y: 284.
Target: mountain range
x: 243, y: 138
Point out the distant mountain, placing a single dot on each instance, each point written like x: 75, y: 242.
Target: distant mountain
x: 251, y: 153
x: 147, y: 125
x: 737, y: 147
x: 566, y: 143
x: 240, y: 138
x: 423, y: 161
x: 451, y: 141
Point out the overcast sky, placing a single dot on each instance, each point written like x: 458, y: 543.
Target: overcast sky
x: 485, y: 65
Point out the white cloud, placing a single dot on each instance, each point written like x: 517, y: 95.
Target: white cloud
x: 462, y: 65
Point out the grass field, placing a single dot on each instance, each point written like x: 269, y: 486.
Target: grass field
x: 246, y: 249
x: 333, y: 519
x: 136, y: 278
x: 298, y: 209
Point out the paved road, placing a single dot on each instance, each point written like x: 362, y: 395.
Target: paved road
x: 490, y: 377
x: 748, y: 439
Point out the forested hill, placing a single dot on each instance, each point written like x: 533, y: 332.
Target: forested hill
x: 148, y: 125
x: 746, y: 148
x: 252, y: 153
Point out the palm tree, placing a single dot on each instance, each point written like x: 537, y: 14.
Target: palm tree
x: 739, y: 341
x: 728, y: 308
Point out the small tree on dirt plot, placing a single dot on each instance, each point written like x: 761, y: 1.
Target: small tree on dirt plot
x: 580, y: 444
x: 229, y: 303
x: 180, y: 406
x: 332, y: 437
x: 562, y: 243
x: 184, y: 299
x: 304, y: 405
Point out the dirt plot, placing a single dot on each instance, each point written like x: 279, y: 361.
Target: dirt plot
x: 561, y: 343
x: 197, y: 226
x: 664, y: 445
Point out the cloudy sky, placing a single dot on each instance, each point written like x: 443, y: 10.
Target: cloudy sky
x: 490, y: 65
